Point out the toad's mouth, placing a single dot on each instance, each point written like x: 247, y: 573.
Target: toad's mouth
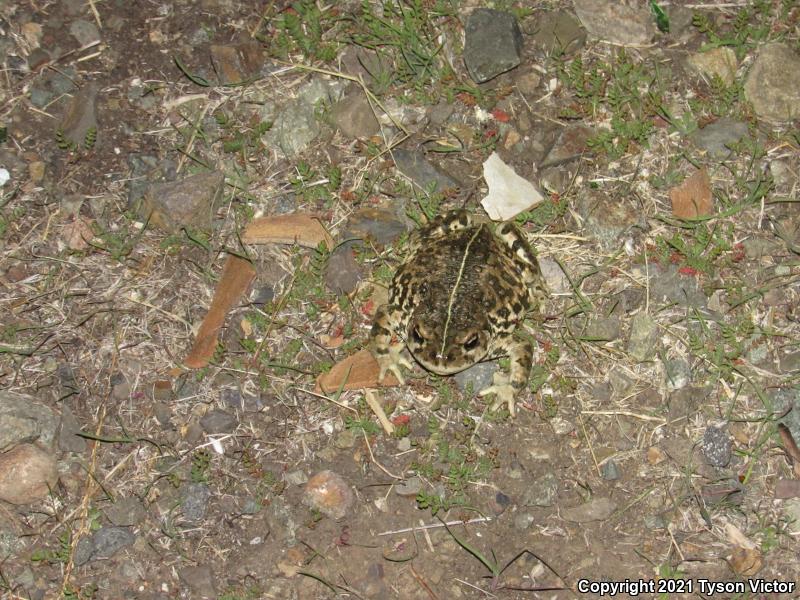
x: 442, y: 365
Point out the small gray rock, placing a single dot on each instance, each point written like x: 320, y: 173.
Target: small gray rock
x: 615, y: 21
x: 408, y: 487
x: 610, y: 470
x: 24, y: 419
x: 195, y: 501
x: 84, y: 31
x: 107, y: 541
x: 523, y: 520
x: 773, y: 83
x: 570, y: 144
x: 190, y: 202
x: 598, y: 509
x: 342, y: 271
x: 416, y: 167
x: 200, y: 580
x: 717, y: 137
x: 68, y: 440
x: 492, y: 43
x: 353, y: 116
x: 218, y: 421
x: 678, y: 373
x: 125, y: 512
x: 558, y: 32
x: 717, y: 446
x: 643, y: 339
x: 297, y: 477
x: 666, y: 282
x: 479, y: 376
x: 542, y: 491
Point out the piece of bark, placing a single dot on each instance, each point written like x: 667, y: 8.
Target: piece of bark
x: 355, y: 372
x: 237, y: 276
x: 293, y: 228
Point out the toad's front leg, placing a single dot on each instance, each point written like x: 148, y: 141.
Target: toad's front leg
x: 387, y: 323
x: 506, y: 387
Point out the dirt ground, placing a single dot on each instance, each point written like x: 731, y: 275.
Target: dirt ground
x: 646, y: 448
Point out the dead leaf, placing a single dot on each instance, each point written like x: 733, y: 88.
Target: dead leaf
x: 294, y: 228
x: 78, y: 233
x: 236, y: 278
x: 692, y: 198
x: 357, y: 371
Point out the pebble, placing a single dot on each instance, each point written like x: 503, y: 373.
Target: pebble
x: 195, y: 501
x: 190, y: 202
x: 715, y: 139
x: 542, y: 491
x: 615, y: 21
x: 719, y: 61
x: 218, y: 421
x: 678, y: 373
x: 328, y: 493
x: 558, y: 32
x: 24, y: 419
x: 492, y: 43
x: 200, y: 580
x: 772, y: 85
x: 597, y: 509
x: 354, y: 117
x: 409, y: 487
x: 103, y: 543
x: 717, y: 446
x: 422, y: 173
x: 125, y: 512
x: 643, y: 338
x: 69, y: 427
x: 610, y: 470
x: 27, y: 474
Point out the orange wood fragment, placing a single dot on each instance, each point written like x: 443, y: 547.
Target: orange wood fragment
x: 692, y: 198
x: 237, y: 275
x: 294, y: 228
x: 357, y: 371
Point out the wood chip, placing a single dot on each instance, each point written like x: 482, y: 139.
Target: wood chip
x: 355, y: 372
x: 237, y: 276
x: 375, y: 405
x: 294, y: 228
x: 692, y: 198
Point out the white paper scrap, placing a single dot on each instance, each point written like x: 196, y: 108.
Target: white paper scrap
x: 509, y: 194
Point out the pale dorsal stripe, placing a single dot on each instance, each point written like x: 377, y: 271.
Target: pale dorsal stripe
x: 453, y: 293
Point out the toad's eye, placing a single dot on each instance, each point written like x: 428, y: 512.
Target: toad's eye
x: 472, y: 342
x: 416, y: 336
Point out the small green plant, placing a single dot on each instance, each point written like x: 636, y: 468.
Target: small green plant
x: 438, y: 503
x: 302, y: 28
x: 630, y: 92
x: 750, y: 26
x: 61, y: 555
x: 364, y: 424
x: 405, y: 38
x: 201, y: 465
